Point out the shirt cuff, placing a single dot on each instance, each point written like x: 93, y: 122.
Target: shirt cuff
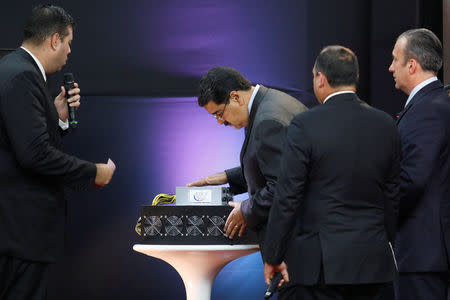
x: 64, y: 125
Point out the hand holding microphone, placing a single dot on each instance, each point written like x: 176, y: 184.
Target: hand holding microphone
x: 273, y: 286
x: 69, y: 85
x: 68, y: 99
x: 275, y: 276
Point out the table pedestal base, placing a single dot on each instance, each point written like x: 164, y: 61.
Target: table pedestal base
x: 198, y: 266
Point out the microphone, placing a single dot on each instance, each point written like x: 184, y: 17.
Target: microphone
x: 69, y: 85
x: 272, y: 288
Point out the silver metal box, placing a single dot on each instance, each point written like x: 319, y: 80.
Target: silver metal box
x: 210, y: 195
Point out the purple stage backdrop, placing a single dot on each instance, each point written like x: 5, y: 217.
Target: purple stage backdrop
x: 161, y: 48
x: 259, y: 39
x: 187, y: 142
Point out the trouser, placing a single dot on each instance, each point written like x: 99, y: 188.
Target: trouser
x: 322, y: 291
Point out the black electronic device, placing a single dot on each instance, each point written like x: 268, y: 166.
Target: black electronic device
x: 69, y: 84
x: 273, y: 286
x: 189, y: 225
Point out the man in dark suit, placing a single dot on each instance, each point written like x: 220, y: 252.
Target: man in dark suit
x: 422, y: 246
x: 336, y: 192
x: 33, y: 169
x: 265, y: 113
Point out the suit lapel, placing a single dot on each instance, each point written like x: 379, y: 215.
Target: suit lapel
x: 30, y: 59
x: 402, y: 113
x: 51, y: 109
x: 418, y: 96
x: 258, y: 98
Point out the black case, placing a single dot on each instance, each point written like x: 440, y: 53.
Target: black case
x: 189, y: 225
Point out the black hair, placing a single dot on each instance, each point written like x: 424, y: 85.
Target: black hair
x: 217, y: 84
x: 339, y: 65
x: 46, y: 20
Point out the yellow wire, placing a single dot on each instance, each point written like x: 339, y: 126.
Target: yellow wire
x: 163, y: 199
x: 159, y: 199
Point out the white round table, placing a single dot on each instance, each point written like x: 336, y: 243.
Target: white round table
x: 198, y: 265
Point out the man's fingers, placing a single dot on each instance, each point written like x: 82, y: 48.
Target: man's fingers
x: 232, y: 204
x: 74, y: 91
x: 228, y: 228
x: 267, y: 280
x: 74, y: 98
x: 228, y: 222
x: 233, y: 231
x: 201, y: 182
x: 74, y: 101
x: 268, y: 273
x: 241, y: 232
x: 285, y: 274
x: 62, y: 93
x: 215, y: 179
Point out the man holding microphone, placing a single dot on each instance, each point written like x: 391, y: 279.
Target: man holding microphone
x: 33, y: 168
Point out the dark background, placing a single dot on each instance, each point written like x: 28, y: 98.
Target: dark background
x: 138, y: 64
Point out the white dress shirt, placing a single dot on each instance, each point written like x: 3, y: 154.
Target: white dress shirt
x: 338, y: 93
x: 250, y: 103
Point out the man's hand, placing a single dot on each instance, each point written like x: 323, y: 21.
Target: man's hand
x: 104, y: 173
x: 235, y: 221
x: 61, y: 101
x: 215, y: 179
x: 270, y: 270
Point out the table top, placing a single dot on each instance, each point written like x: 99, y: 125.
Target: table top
x: 142, y: 247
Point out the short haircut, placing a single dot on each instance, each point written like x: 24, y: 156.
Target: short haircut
x: 339, y: 65
x: 423, y: 46
x: 44, y: 21
x: 217, y: 84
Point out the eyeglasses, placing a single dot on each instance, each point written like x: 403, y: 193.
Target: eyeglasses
x: 219, y: 115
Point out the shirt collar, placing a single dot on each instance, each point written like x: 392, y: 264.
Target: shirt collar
x: 338, y: 93
x: 250, y: 103
x: 37, y: 62
x: 419, y: 87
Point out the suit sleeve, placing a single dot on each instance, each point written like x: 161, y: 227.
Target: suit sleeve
x: 289, y: 193
x: 392, y: 188
x: 236, y: 180
x: 269, y: 141
x: 422, y: 140
x: 24, y: 100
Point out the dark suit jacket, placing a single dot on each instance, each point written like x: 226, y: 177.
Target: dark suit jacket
x: 423, y: 239
x: 33, y: 169
x: 337, y: 193
x: 271, y: 113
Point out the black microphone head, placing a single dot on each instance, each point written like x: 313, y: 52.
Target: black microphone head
x: 68, y: 77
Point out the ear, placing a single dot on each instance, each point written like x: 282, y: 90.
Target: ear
x: 322, y: 79
x: 235, y: 96
x: 55, y: 40
x: 412, y: 66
